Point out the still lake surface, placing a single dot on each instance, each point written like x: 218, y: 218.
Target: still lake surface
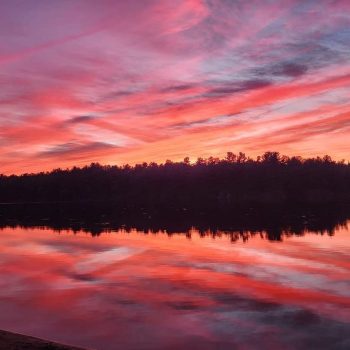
x: 131, y: 290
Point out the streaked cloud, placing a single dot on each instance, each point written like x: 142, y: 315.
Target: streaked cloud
x: 74, y: 148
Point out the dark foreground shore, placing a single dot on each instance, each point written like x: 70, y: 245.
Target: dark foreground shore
x: 14, y: 341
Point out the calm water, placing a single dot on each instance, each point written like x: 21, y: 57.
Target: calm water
x: 133, y: 290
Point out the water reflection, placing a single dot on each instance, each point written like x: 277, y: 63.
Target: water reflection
x: 130, y: 290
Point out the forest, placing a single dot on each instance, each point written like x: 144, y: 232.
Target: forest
x: 207, y: 185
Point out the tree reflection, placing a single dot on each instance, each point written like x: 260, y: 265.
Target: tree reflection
x: 269, y: 222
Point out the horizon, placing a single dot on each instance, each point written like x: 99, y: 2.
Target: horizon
x: 119, y: 83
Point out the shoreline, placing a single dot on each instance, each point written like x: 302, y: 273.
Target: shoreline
x: 16, y: 341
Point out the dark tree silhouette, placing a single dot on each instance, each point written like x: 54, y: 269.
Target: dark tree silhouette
x: 211, y: 184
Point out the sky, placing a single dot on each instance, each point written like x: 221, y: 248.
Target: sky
x: 121, y: 82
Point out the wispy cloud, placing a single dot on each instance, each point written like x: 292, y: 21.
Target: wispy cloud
x: 74, y: 148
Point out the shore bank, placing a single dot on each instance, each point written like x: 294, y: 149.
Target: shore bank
x: 14, y: 341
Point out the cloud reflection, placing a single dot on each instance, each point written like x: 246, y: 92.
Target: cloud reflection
x: 173, y: 292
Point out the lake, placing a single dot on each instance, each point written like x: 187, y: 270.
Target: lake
x: 129, y: 289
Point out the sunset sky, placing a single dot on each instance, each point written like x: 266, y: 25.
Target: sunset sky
x: 130, y: 81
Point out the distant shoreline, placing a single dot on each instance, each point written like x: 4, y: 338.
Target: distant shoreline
x: 15, y: 341
x: 209, y: 185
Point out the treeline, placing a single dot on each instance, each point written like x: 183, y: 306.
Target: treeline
x: 208, y: 184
